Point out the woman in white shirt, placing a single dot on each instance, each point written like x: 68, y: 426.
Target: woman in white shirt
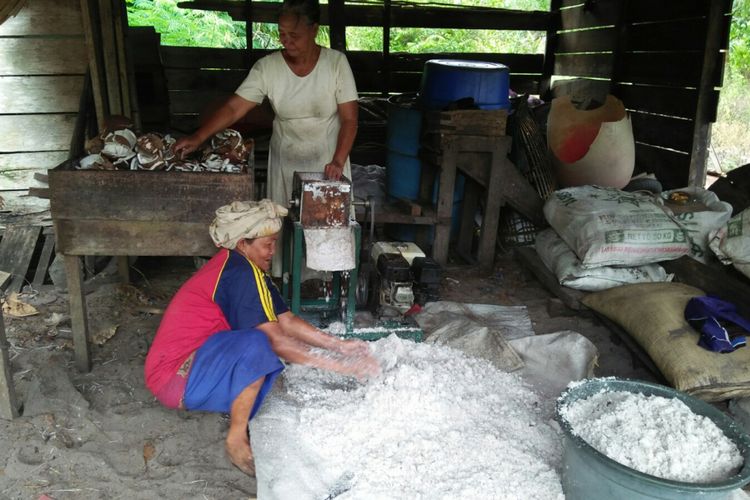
x: 312, y: 92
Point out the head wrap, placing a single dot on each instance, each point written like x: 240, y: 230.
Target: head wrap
x: 245, y: 219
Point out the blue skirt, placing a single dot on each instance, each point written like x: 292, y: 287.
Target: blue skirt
x: 225, y: 365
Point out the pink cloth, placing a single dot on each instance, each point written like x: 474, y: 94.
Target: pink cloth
x: 191, y: 317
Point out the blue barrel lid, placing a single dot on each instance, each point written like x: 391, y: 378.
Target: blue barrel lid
x: 468, y: 64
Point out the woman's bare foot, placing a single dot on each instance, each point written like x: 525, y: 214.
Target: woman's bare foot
x: 240, y: 454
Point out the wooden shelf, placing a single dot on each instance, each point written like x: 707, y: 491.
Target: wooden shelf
x: 398, y: 213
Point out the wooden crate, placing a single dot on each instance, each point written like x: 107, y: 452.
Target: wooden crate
x: 467, y: 122
x: 121, y: 212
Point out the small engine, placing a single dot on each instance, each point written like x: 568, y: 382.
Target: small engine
x: 403, y: 275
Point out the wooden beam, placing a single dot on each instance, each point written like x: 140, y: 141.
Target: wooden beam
x: 713, y: 281
x: 551, y: 44
x: 89, y: 14
x: 337, y: 21
x: 26, y: 161
x: 20, y: 179
x: 404, y: 16
x: 23, y: 133
x: 44, y: 260
x: 40, y: 56
x: 108, y: 45
x: 85, y: 108
x: 40, y: 94
x: 78, y: 314
x: 713, y: 59
x: 8, y: 404
x: 45, y: 18
x: 387, y: 6
x: 119, y: 19
x: 16, y: 249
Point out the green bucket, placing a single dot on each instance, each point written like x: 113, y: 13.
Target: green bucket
x: 588, y: 474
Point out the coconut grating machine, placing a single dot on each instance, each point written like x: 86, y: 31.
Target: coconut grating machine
x: 323, y: 242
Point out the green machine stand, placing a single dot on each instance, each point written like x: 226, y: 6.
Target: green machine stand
x: 343, y: 284
x: 320, y: 203
x: 328, y: 306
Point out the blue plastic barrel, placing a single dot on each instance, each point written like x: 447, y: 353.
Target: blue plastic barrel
x: 448, y: 80
x: 403, y: 167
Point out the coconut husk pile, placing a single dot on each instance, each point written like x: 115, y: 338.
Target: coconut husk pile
x: 119, y: 148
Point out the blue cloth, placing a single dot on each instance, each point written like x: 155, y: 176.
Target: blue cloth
x: 225, y: 365
x: 706, y: 315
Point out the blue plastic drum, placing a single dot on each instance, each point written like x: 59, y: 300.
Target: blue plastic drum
x: 448, y: 80
x: 403, y: 167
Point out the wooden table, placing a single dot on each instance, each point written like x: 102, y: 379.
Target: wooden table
x: 140, y: 213
x: 484, y: 160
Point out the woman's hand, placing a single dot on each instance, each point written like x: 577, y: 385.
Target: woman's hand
x: 334, y: 170
x: 362, y: 367
x: 352, y: 347
x: 186, y: 145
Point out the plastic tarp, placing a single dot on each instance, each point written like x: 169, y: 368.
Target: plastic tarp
x: 287, y: 469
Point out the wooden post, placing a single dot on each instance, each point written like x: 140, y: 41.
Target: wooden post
x: 109, y: 51
x: 248, y: 15
x: 120, y: 22
x: 8, y: 405
x: 499, y: 165
x: 88, y: 13
x: 702, y: 123
x: 123, y: 268
x: 78, y: 314
x: 445, y: 203
x: 44, y: 260
x: 545, y: 86
x: 337, y: 24
x: 386, y: 47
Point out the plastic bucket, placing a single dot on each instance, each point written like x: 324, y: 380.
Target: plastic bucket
x: 588, y: 474
x: 448, y: 80
x: 403, y: 167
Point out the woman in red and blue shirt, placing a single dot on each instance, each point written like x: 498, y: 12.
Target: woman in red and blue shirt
x: 219, y: 343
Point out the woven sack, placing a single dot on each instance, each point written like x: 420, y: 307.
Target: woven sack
x: 653, y: 314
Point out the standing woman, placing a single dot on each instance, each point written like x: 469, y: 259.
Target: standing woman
x: 312, y: 92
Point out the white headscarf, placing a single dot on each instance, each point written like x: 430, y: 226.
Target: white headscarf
x: 245, y: 219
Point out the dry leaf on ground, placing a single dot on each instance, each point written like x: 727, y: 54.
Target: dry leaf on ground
x: 13, y: 307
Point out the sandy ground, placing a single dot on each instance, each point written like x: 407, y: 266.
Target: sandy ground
x: 102, y: 434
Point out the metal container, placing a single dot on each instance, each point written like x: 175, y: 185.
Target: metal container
x: 588, y: 474
x: 321, y: 202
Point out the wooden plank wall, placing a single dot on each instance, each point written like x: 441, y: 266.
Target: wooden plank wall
x: 197, y: 77
x: 42, y: 68
x: 650, y: 55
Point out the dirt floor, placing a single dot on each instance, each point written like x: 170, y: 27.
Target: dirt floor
x: 103, y: 435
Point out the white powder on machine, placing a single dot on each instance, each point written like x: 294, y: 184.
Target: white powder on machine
x: 434, y: 424
x: 654, y: 435
x: 330, y: 248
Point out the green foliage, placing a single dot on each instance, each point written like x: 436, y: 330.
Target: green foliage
x: 196, y: 28
x: 186, y: 27
x: 739, y: 39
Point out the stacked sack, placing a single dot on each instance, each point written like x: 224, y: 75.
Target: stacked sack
x: 731, y: 242
x: 603, y: 237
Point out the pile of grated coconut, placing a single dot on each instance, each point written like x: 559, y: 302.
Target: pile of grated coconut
x: 654, y: 435
x: 435, y: 424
